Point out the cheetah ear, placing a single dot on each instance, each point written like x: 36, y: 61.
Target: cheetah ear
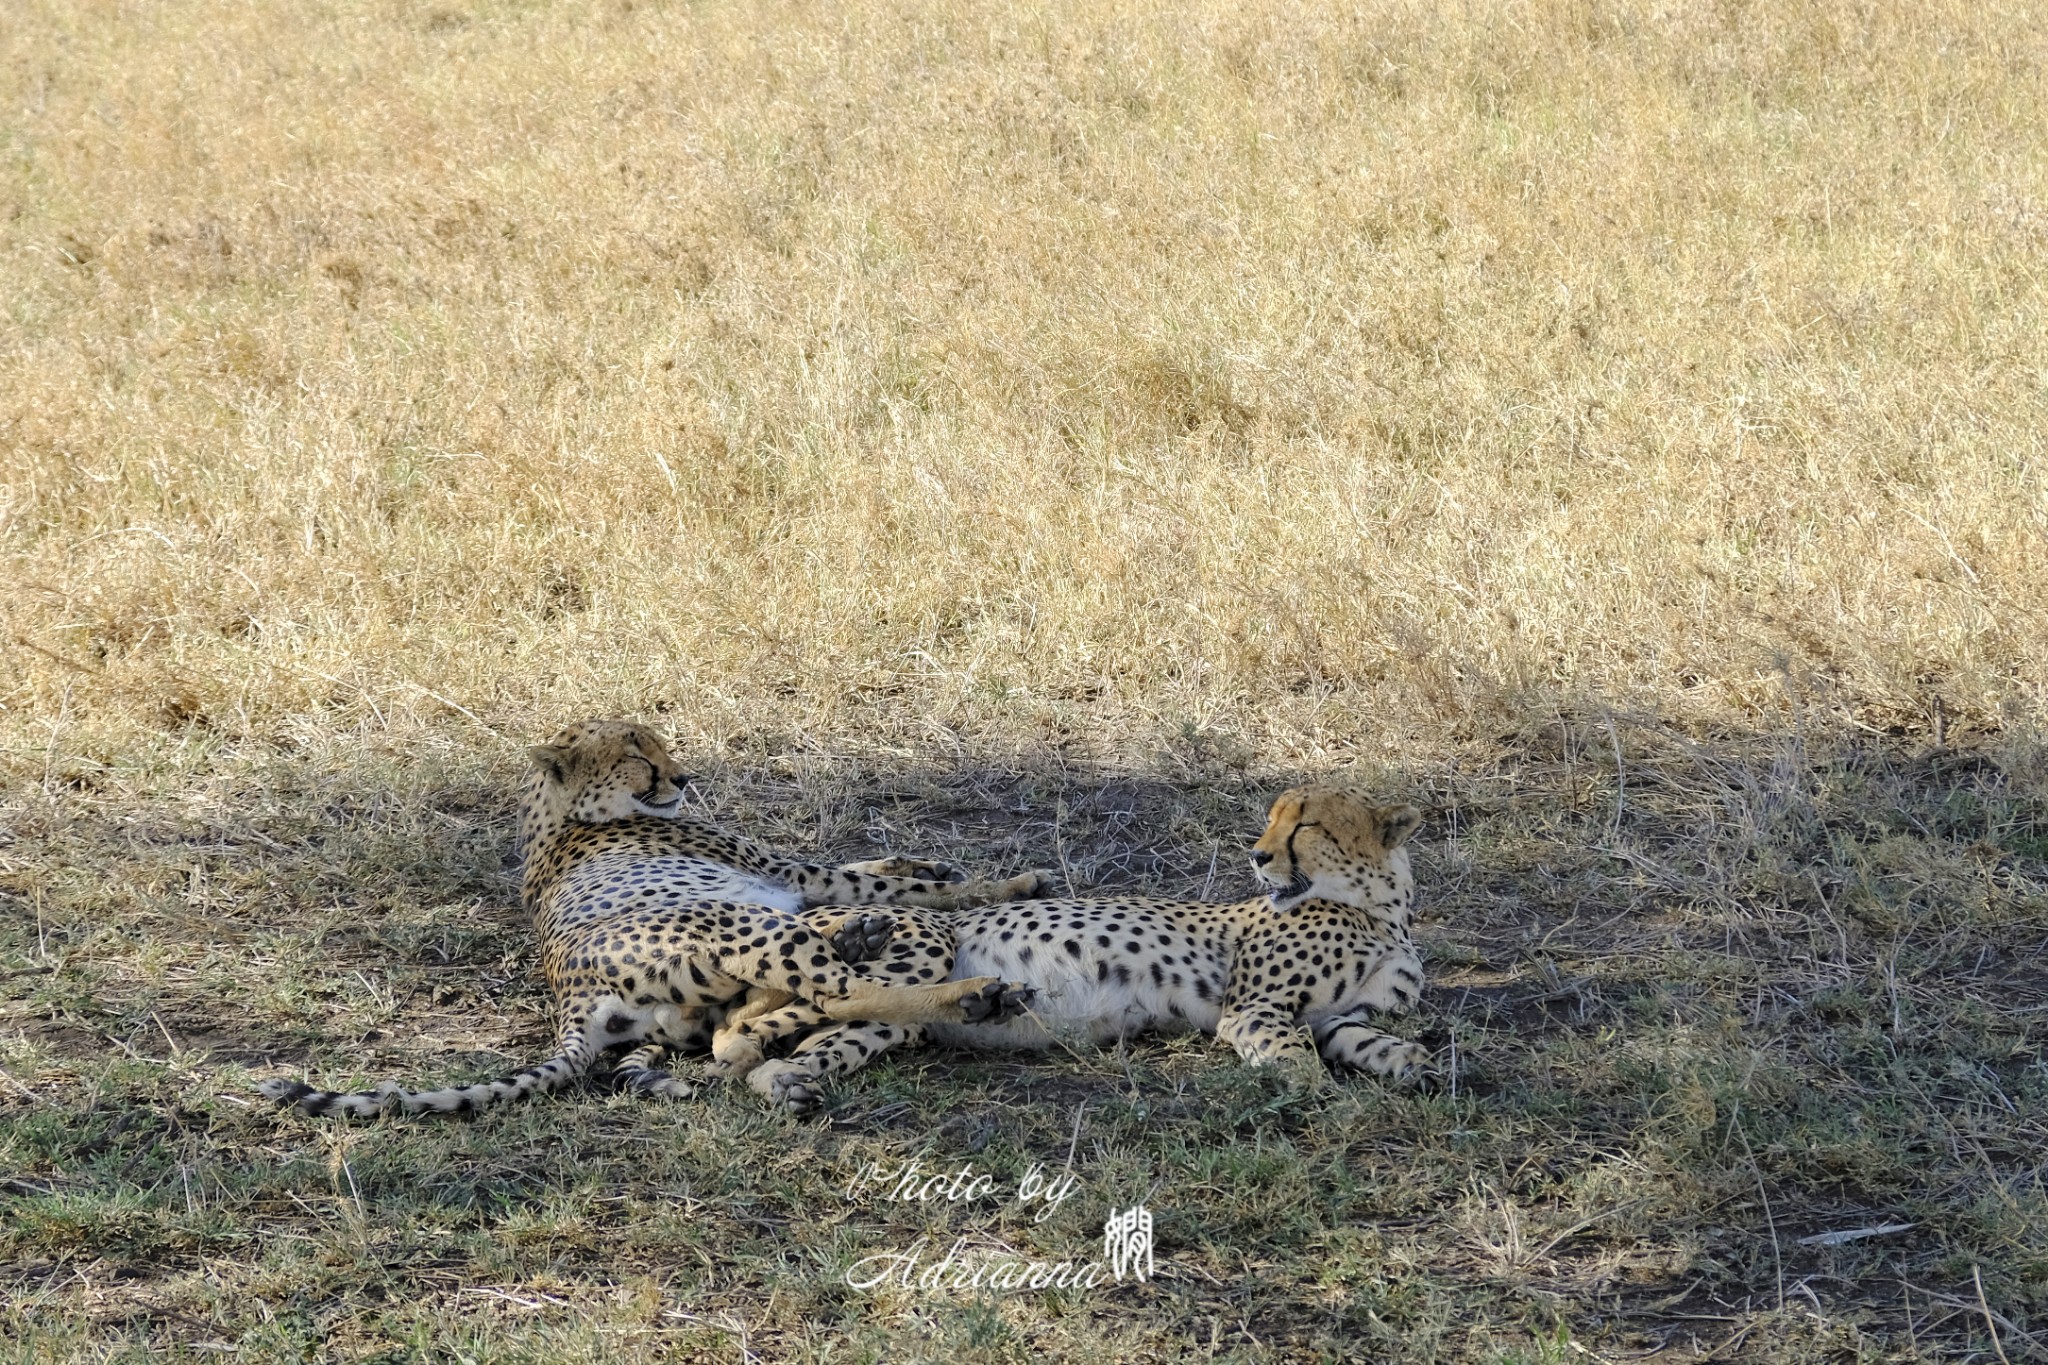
x: 551, y: 759
x: 1395, y: 824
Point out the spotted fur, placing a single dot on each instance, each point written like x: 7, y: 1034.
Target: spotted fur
x: 649, y: 919
x: 1293, y: 974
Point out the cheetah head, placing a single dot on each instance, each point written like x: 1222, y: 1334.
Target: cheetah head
x: 601, y: 770
x: 1327, y: 843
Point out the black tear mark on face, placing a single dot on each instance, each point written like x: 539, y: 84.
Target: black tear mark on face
x: 1297, y: 882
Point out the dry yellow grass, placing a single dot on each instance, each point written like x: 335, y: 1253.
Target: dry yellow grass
x: 1319, y: 375
x: 1617, y: 426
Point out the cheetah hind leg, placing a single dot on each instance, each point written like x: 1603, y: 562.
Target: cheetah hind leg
x: 795, y: 1084
x: 741, y: 1047
x: 915, y: 950
x: 641, y: 1072
x: 774, y: 961
x: 856, y: 936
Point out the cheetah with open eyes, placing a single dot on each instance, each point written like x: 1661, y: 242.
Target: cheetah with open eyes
x: 1291, y: 974
x: 648, y: 918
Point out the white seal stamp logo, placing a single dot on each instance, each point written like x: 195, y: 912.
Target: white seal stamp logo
x: 1127, y: 1243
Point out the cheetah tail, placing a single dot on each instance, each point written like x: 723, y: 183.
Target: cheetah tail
x: 551, y: 1075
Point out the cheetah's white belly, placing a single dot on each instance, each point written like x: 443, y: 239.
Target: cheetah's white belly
x: 1074, y: 1003
x: 740, y: 886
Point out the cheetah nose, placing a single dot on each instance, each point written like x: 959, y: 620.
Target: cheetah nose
x: 1260, y: 857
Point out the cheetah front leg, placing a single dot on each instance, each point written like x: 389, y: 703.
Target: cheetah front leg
x: 641, y: 1072
x: 795, y: 1083
x: 853, y: 935
x: 881, y: 882
x: 1394, y: 985
x: 1351, y: 1043
x: 1264, y: 1034
x: 920, y: 953
x: 915, y: 869
x: 856, y: 937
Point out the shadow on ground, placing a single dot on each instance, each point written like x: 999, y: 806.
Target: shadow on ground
x: 1739, y: 1036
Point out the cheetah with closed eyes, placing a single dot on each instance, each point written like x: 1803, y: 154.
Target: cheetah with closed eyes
x: 1282, y: 978
x: 649, y: 918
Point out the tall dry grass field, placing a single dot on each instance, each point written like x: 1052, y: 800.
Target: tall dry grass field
x: 1618, y: 427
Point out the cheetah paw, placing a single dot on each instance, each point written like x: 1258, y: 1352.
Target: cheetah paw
x: 915, y: 869
x: 1024, y: 886
x: 1305, y: 1073
x: 997, y: 1000
x: 1409, y: 1064
x: 653, y: 1081
x: 862, y: 937
x: 733, y: 1056
x: 1027, y: 886
x: 788, y: 1086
